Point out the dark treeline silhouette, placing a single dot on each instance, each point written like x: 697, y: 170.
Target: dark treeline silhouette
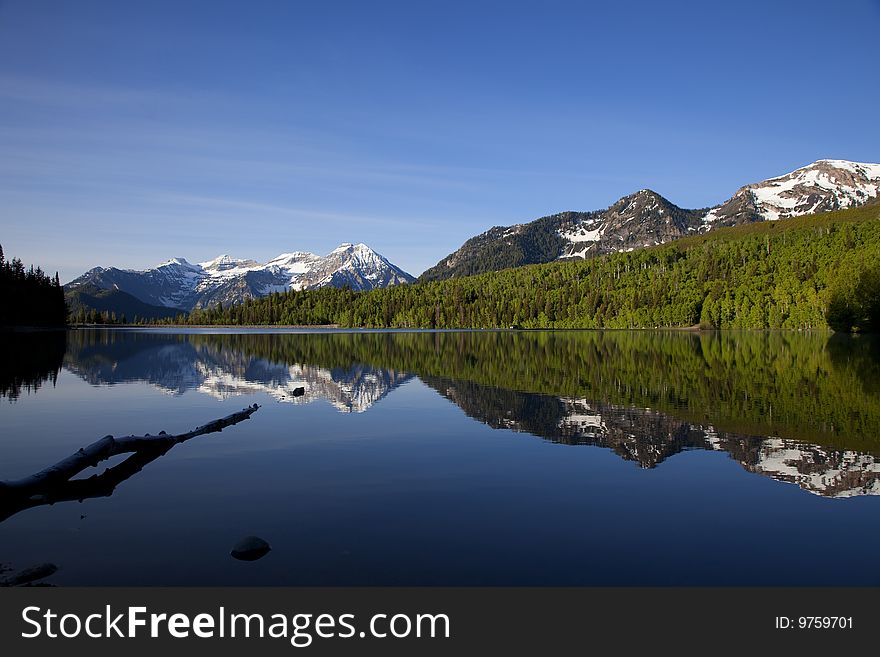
x: 28, y: 296
x: 28, y: 360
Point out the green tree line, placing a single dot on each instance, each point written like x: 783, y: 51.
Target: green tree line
x: 83, y: 315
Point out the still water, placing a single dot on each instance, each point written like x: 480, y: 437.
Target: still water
x: 452, y: 458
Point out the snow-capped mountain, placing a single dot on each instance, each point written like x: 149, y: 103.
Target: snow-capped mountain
x: 819, y: 187
x: 178, y: 283
x: 646, y: 219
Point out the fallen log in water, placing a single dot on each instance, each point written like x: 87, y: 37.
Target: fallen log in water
x: 30, y: 575
x: 55, y: 483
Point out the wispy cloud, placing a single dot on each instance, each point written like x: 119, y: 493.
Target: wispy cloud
x: 66, y: 95
x: 238, y: 207
x: 130, y: 124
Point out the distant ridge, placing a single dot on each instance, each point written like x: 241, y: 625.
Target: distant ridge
x: 124, y: 305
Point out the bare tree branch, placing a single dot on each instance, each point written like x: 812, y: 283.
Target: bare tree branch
x: 55, y: 483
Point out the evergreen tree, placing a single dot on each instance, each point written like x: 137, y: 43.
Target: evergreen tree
x: 28, y: 297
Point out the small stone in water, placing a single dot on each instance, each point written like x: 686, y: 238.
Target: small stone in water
x: 250, y: 548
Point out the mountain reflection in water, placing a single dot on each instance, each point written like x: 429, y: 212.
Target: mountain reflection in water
x: 179, y: 363
x: 648, y: 437
x: 799, y: 408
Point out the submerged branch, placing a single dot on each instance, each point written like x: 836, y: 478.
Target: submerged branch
x: 55, y: 483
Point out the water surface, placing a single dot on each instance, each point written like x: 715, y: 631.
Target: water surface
x: 453, y: 458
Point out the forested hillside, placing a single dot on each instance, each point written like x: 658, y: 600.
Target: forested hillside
x: 777, y: 274
x: 502, y: 247
x: 93, y: 305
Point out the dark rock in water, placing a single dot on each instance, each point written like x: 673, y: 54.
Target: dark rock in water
x: 299, y: 392
x: 28, y: 575
x: 250, y: 548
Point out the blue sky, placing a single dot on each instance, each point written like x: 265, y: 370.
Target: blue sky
x: 135, y: 132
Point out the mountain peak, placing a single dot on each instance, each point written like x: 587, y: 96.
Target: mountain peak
x: 866, y: 171
x: 219, y: 260
x: 293, y: 254
x: 643, y: 205
x: 348, y: 246
x: 842, y: 164
x: 225, y: 263
x: 643, y: 195
x: 176, y: 261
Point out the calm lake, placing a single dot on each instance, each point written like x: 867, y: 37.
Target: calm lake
x: 452, y: 458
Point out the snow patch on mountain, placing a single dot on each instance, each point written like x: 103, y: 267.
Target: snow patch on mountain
x: 582, y: 235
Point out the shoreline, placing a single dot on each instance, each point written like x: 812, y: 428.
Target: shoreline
x: 316, y: 327
x: 223, y: 326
